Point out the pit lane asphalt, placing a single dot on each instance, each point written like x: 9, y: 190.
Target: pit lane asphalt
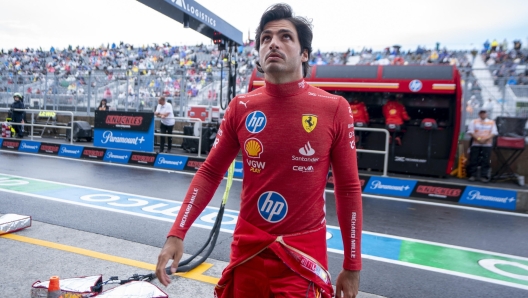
x: 486, y: 231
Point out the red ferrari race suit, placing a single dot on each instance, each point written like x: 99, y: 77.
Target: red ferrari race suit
x: 394, y: 113
x: 289, y: 134
x: 359, y: 111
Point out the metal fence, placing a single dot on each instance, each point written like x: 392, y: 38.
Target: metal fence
x: 123, y: 89
x: 485, y: 88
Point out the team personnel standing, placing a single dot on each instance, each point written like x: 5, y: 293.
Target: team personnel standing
x: 18, y: 116
x: 279, y: 243
x: 482, y: 130
x: 165, y: 112
x: 395, y: 113
x: 359, y: 111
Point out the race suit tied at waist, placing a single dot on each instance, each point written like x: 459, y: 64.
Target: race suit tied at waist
x: 119, y: 120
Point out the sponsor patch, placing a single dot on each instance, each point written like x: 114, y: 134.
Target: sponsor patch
x: 309, y: 122
x: 272, y: 206
x: 253, y: 148
x: 256, y: 122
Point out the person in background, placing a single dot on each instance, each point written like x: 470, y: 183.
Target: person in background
x: 279, y: 243
x: 18, y: 116
x: 165, y: 112
x: 482, y: 130
x: 361, y: 118
x: 395, y: 113
x: 103, y: 105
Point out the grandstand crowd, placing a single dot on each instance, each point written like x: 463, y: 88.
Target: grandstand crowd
x: 157, y: 69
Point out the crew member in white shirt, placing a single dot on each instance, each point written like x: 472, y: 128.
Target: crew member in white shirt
x: 165, y: 112
x: 482, y: 130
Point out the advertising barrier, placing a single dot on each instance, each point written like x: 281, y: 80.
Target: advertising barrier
x: 193, y: 164
x: 124, y: 130
x: 70, y: 151
x: 376, y: 185
x: 11, y: 144
x: 29, y: 146
x: 487, y: 197
x: 173, y: 162
x: 145, y: 159
x: 93, y: 153
x: 117, y: 156
x: 49, y: 148
x: 389, y: 186
x: 426, y: 190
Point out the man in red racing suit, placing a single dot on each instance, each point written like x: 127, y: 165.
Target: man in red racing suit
x: 290, y: 133
x: 395, y: 113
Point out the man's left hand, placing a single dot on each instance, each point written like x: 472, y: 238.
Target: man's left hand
x: 347, y: 285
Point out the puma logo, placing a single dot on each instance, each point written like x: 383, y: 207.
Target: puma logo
x: 243, y: 103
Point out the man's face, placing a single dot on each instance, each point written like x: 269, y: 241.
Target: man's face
x: 280, y: 49
x: 161, y: 102
x: 16, y: 98
x: 483, y: 115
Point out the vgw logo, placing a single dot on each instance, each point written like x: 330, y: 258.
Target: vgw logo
x: 255, y: 122
x: 272, y: 206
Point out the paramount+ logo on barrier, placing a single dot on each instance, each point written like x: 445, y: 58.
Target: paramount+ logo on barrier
x: 29, y: 146
x: 487, y: 197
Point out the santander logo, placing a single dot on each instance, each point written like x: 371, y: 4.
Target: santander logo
x: 307, y: 150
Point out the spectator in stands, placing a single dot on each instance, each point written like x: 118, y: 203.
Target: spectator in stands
x: 165, y: 112
x: 489, y: 106
x: 482, y: 130
x: 103, y: 105
x: 395, y: 113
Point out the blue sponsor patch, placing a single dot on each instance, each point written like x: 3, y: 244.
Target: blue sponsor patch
x: 172, y: 162
x: 495, y: 198
x: 117, y: 156
x: 70, y: 151
x: 28, y: 146
x: 390, y: 186
x: 272, y: 206
x: 255, y: 122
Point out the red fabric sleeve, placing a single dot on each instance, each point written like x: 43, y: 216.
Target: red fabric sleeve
x: 347, y: 186
x: 206, y: 181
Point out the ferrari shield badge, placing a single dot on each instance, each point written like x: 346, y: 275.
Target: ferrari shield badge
x: 309, y: 122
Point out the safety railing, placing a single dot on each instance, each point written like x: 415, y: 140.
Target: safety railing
x: 185, y: 119
x: 32, y: 124
x: 385, y: 152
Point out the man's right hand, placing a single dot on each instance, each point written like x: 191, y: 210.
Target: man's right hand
x: 172, y: 250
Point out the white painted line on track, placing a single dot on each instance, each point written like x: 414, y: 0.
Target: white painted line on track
x: 454, y: 273
x: 326, y: 190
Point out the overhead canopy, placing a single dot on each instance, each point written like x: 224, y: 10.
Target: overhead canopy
x: 195, y: 16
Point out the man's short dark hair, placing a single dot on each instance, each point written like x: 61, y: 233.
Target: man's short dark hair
x: 303, y: 26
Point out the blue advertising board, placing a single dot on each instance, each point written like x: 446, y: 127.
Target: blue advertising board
x: 390, y: 186
x: 172, y: 162
x: 487, y: 197
x: 29, y: 146
x: 117, y: 156
x: 1, y: 140
x: 127, y: 140
x: 70, y: 151
x: 124, y: 130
